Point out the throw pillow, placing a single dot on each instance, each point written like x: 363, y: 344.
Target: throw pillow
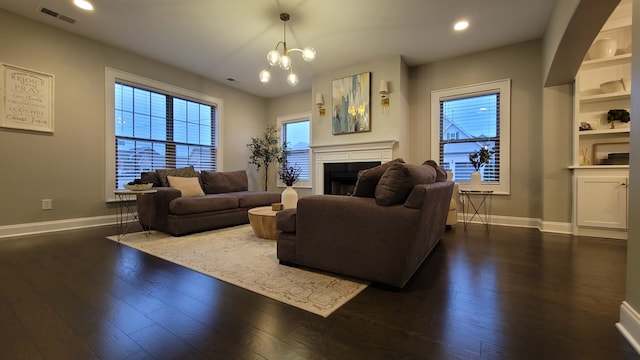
x: 224, y: 182
x: 399, y: 179
x: 188, y: 186
x: 441, y: 174
x: 150, y: 177
x: 188, y: 171
x: 368, y: 179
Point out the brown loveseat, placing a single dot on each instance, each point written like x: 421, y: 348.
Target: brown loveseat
x: 383, y: 234
x: 224, y: 202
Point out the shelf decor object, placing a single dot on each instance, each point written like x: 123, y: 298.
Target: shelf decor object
x: 621, y: 115
x: 603, y: 48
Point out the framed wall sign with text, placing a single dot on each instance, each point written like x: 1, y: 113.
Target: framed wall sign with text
x: 27, y: 99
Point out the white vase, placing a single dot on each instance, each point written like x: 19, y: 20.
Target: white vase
x: 476, y: 180
x: 289, y: 198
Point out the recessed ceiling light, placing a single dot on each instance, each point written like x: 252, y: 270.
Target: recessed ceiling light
x: 83, y: 4
x: 461, y: 25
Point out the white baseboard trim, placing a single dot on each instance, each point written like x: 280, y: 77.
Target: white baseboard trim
x: 521, y: 222
x: 603, y: 233
x: 70, y: 224
x: 629, y: 325
x: 556, y: 227
x: 515, y: 221
x: 56, y: 225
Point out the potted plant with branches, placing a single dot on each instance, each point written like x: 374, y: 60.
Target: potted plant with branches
x: 479, y: 159
x: 265, y: 150
x: 289, y: 174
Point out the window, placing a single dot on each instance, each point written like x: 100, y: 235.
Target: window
x: 467, y: 118
x: 151, y: 125
x: 295, y: 131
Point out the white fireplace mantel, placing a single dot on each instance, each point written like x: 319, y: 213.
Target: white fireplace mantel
x: 382, y: 151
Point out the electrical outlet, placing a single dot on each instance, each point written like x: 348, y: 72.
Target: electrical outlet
x: 47, y: 204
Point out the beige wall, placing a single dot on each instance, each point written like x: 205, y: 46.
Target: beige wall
x: 69, y: 165
x: 522, y: 64
x: 560, y: 17
x: 555, y: 148
x: 390, y: 125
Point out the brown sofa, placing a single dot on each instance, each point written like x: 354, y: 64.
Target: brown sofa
x: 225, y: 201
x: 382, y: 236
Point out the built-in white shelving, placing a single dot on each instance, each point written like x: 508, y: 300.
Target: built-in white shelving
x: 600, y: 191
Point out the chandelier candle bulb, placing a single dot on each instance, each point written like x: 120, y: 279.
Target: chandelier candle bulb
x: 285, y: 62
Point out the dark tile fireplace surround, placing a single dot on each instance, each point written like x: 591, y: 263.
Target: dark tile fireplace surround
x: 340, y: 178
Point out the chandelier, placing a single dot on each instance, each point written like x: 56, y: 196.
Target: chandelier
x: 282, y: 59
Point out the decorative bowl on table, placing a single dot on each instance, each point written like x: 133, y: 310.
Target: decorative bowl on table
x: 138, y: 187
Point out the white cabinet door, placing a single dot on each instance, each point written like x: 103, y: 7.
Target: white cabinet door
x: 602, y: 201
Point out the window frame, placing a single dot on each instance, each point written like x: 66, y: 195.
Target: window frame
x: 112, y: 76
x: 503, y: 87
x: 281, y: 121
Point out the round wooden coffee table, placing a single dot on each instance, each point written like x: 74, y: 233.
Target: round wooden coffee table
x: 263, y: 222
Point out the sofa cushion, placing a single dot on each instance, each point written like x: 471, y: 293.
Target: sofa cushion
x: 199, y: 204
x: 249, y: 199
x: 188, y: 171
x: 286, y: 220
x: 399, y: 179
x: 150, y: 177
x: 224, y: 181
x: 188, y: 186
x: 368, y: 179
x: 441, y: 174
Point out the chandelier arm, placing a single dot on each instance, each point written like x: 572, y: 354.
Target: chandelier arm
x: 280, y: 43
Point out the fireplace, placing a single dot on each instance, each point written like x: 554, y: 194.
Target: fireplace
x: 341, y: 178
x: 361, y: 156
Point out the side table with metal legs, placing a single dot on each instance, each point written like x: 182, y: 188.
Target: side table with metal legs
x: 481, y: 208
x: 127, y: 214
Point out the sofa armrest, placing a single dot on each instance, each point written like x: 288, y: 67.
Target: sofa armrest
x: 354, y: 235
x: 433, y: 217
x: 153, y: 209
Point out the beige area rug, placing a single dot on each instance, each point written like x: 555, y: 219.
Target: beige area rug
x: 237, y: 256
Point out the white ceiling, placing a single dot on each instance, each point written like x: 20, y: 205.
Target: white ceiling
x: 222, y: 39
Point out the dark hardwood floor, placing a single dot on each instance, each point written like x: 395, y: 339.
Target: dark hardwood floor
x: 511, y: 294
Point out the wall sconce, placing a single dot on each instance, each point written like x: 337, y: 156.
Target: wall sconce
x: 384, y: 92
x: 320, y: 103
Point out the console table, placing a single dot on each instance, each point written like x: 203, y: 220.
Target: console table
x: 126, y: 213
x: 480, y: 208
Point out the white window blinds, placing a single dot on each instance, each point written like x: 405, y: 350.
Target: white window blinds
x: 155, y: 130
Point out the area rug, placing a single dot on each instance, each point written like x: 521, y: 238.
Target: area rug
x: 237, y: 256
